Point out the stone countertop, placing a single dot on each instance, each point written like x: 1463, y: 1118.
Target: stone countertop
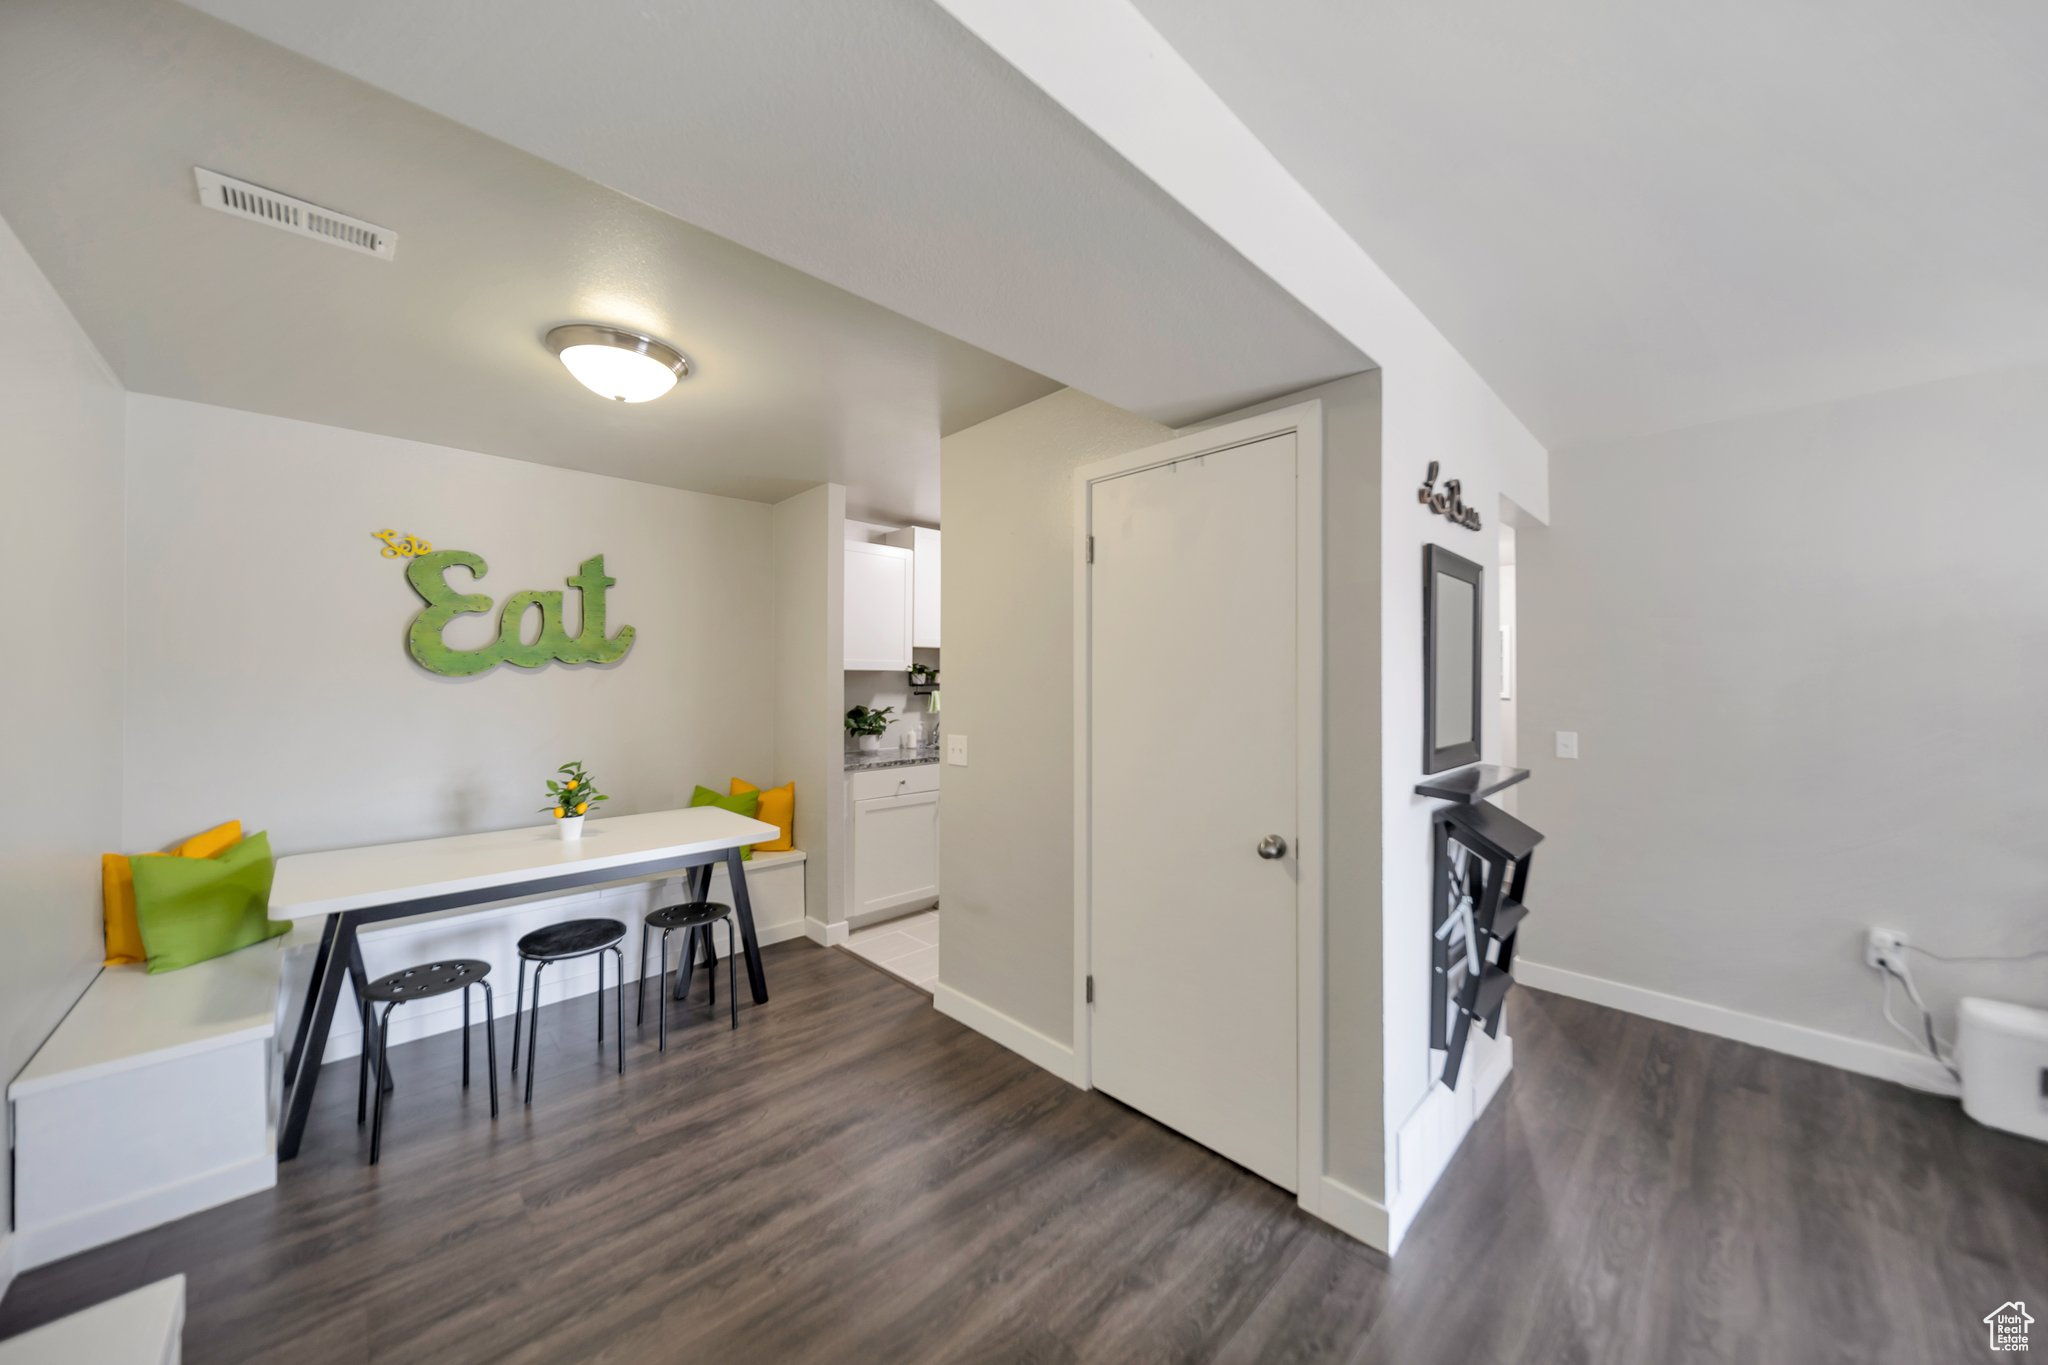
x: 857, y: 762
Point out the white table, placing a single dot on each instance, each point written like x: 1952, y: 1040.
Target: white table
x: 351, y: 887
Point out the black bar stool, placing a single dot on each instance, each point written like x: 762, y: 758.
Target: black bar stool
x: 559, y: 943
x: 694, y: 917
x: 419, y: 983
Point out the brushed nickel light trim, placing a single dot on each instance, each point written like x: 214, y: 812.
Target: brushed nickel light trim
x: 575, y: 334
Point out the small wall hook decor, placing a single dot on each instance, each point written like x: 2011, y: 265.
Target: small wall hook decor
x: 1448, y: 504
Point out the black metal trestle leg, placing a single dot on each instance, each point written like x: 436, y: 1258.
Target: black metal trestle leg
x: 465, y: 1037
x: 618, y: 1005
x: 732, y: 987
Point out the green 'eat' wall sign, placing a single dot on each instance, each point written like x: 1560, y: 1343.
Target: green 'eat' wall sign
x: 428, y: 574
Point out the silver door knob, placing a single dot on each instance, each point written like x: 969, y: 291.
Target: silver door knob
x: 1272, y: 846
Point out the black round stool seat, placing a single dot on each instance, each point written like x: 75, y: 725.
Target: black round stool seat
x: 429, y: 979
x: 571, y: 938
x: 689, y: 915
x: 692, y: 919
x: 418, y: 983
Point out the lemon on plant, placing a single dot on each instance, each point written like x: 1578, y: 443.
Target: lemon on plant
x: 558, y: 812
x: 582, y: 808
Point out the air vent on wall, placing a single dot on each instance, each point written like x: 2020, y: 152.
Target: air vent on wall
x: 259, y: 205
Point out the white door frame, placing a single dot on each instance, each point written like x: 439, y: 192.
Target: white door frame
x: 1305, y: 421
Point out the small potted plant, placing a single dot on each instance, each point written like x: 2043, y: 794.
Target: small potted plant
x: 923, y: 675
x: 867, y: 725
x: 570, y: 799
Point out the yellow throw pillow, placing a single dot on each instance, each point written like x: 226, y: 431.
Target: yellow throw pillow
x: 217, y: 840
x: 117, y: 889
x: 778, y: 808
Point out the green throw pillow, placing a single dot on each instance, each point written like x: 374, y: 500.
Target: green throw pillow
x: 191, y: 909
x: 746, y: 803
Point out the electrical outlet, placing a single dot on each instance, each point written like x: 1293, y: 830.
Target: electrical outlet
x: 1567, y: 743
x: 1884, y: 948
x: 956, y: 751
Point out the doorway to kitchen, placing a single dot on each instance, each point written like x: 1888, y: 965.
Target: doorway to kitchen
x: 892, y: 647
x: 1199, y: 881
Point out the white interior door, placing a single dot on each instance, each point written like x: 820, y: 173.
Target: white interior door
x: 1192, y: 763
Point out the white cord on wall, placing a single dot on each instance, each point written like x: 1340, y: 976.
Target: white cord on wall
x: 1936, y: 1046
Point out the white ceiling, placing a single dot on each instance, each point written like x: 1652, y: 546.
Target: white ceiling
x: 106, y: 107
x: 876, y: 145
x: 1632, y: 217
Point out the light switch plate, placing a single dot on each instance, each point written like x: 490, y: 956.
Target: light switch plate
x: 1567, y: 743
x: 956, y: 751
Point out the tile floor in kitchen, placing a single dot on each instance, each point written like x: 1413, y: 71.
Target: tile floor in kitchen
x: 907, y: 947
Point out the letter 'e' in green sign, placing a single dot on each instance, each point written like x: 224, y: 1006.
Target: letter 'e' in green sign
x: 428, y: 575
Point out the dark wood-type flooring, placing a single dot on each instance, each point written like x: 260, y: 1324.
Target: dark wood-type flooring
x: 853, y: 1177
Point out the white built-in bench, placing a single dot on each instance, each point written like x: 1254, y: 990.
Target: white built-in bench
x: 145, y: 1327
x: 155, y: 1098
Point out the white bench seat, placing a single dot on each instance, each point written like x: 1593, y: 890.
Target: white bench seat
x: 154, y: 1098
x: 145, y: 1327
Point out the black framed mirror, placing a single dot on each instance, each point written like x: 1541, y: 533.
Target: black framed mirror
x: 1453, y: 608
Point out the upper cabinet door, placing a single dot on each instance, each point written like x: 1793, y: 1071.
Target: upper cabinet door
x: 878, y: 606
x: 923, y: 542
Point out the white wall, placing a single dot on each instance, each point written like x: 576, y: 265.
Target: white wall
x: 269, y: 675
x: 60, y: 541
x: 1804, y: 654
x: 1108, y: 67
x: 1007, y: 856
x: 810, y: 564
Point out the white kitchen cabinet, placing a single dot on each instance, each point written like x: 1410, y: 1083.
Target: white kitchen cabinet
x: 878, y: 607
x: 893, y: 819
x: 923, y: 544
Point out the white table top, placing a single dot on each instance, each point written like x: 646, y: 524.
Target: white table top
x: 309, y: 885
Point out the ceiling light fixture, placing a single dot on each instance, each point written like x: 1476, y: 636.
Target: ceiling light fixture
x: 625, y: 367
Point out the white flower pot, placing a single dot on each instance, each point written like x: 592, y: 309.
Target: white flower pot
x: 571, y: 826
x: 870, y: 744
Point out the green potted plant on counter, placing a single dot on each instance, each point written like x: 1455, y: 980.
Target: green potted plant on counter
x: 570, y: 799
x: 867, y: 725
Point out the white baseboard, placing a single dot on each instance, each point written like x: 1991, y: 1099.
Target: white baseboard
x: 1351, y: 1213
x: 1430, y: 1136
x: 826, y: 935
x: 993, y: 1024
x: 1794, y: 1040
x: 6, y: 1261
x: 139, y: 1212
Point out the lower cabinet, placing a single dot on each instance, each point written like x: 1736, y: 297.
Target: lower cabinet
x: 894, y: 818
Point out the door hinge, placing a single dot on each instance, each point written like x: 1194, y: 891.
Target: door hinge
x: 1091, y: 990
x: 1091, y: 549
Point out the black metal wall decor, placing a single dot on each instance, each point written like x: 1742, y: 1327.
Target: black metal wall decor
x: 1450, y: 503
x: 1479, y: 899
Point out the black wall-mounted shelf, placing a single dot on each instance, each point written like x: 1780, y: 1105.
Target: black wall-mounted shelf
x: 1470, y: 784
x: 1480, y: 895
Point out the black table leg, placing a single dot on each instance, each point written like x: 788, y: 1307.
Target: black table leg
x: 320, y: 960
x: 757, y: 980
x: 320, y: 1010
x: 359, y: 978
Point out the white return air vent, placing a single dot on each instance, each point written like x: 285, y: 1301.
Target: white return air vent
x: 259, y: 205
